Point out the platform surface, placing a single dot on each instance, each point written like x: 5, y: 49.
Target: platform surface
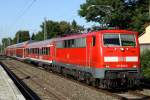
x: 8, y: 90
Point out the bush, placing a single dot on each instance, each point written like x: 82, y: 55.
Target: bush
x: 145, y: 63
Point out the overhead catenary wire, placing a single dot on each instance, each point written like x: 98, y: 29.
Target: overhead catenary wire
x: 21, y: 14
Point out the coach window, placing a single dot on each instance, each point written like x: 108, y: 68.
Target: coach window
x: 37, y: 51
x: 30, y: 51
x: 42, y: 51
x: 46, y: 51
x: 26, y: 51
x: 33, y: 50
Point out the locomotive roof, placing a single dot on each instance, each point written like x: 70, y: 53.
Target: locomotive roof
x: 40, y: 44
x: 114, y: 31
x: 20, y: 45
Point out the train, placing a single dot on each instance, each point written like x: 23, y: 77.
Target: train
x: 105, y: 58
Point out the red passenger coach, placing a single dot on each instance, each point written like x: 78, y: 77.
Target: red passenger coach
x: 109, y: 58
x: 10, y: 51
x: 40, y: 52
x: 17, y: 50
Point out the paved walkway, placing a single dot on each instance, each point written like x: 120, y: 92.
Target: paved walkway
x: 8, y: 90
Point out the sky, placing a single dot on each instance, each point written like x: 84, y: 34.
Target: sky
x: 29, y: 14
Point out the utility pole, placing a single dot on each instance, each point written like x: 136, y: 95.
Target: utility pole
x: 45, y: 29
x: 9, y: 42
x: 1, y: 49
x: 18, y: 38
x: 4, y: 48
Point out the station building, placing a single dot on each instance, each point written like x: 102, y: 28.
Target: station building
x: 144, y: 39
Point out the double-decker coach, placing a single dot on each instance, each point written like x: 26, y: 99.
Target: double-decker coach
x: 17, y: 50
x: 40, y: 52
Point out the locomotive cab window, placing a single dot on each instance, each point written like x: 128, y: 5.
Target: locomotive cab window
x: 111, y: 40
x: 127, y: 40
x: 119, y: 40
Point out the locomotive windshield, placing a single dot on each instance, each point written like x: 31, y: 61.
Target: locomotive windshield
x: 119, y: 40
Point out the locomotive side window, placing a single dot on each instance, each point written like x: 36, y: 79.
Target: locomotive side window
x: 59, y: 44
x: 93, y: 41
x: 80, y: 42
x: 72, y: 43
x: 111, y: 40
x: 65, y: 43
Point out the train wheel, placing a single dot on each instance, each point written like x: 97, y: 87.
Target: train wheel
x: 88, y: 81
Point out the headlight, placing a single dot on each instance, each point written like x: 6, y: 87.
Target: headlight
x: 134, y: 66
x: 107, y: 66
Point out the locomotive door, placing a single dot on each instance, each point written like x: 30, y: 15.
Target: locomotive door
x: 89, y: 51
x: 53, y: 52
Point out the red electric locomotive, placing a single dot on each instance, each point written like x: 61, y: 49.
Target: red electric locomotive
x: 107, y: 58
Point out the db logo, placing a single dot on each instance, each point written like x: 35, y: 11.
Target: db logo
x: 121, y: 58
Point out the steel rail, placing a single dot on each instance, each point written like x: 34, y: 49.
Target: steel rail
x: 27, y: 92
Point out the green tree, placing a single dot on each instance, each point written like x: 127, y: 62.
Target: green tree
x: 126, y: 14
x: 52, y: 28
x: 33, y: 37
x: 64, y: 28
x: 145, y: 62
x: 55, y: 28
x: 39, y: 36
x: 21, y: 36
x: 75, y: 28
x: 6, y: 42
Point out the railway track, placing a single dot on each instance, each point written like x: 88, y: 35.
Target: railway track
x: 128, y: 95
x: 45, y: 92
x: 27, y: 92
